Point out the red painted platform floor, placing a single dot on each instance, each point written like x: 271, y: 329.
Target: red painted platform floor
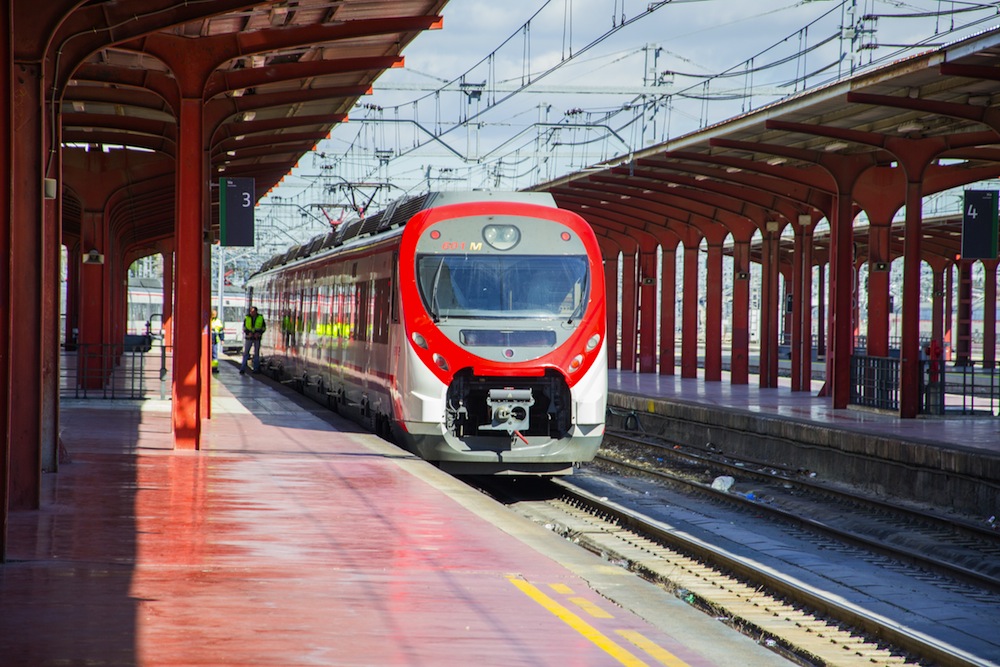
x: 292, y: 539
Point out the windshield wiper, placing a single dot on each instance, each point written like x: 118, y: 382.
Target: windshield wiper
x: 582, y: 305
x: 435, y: 308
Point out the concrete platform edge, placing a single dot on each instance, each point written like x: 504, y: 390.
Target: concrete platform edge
x: 962, y: 479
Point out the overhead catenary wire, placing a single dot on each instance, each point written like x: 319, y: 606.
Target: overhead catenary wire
x: 558, y: 142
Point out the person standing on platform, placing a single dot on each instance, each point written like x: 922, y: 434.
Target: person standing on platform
x: 253, y: 330
x: 218, y: 335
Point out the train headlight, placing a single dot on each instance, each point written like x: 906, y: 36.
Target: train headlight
x: 592, y: 343
x: 440, y: 361
x: 501, y: 237
x: 419, y: 340
x: 575, y: 364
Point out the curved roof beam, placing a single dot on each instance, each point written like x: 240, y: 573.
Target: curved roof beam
x: 722, y: 220
x: 91, y: 28
x: 228, y: 81
x: 686, y: 225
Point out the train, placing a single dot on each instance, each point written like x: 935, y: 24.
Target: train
x: 145, y: 311
x: 467, y: 327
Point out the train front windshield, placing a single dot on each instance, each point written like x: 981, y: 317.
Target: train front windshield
x: 503, y: 286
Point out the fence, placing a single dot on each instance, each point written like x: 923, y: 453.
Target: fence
x: 875, y: 382
x: 122, y: 371
x: 970, y: 389
x: 944, y: 389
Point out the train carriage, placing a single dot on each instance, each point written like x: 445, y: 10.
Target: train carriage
x: 469, y: 326
x: 145, y: 311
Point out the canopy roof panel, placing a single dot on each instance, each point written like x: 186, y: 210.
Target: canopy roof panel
x: 275, y: 78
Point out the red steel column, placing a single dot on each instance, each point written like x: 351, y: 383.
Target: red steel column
x: 879, y: 263
x: 611, y: 298
x: 628, y: 309
x: 821, y: 313
x: 668, y: 301
x: 937, y: 305
x: 739, y: 364
x: 72, y: 294
x: 91, y: 287
x: 6, y: 318
x: 785, y: 296
x: 25, y: 314
x: 187, y: 332
x: 769, y: 308
x: 51, y: 287
x: 647, y: 311
x: 794, y: 319
x: 990, y: 313
x: 856, y: 309
x: 206, y: 318
x: 841, y: 280
x: 689, y: 312
x: 964, y: 343
x: 713, y: 314
x: 168, y: 298
x: 805, y: 286
x: 909, y: 369
x: 949, y: 311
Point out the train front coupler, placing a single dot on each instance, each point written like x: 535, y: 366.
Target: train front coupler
x: 510, y: 411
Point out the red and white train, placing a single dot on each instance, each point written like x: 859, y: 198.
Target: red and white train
x: 469, y: 327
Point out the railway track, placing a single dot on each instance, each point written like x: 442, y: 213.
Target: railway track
x: 942, y: 544
x: 809, y: 623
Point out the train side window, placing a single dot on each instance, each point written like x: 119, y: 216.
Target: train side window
x: 362, y: 303
x: 394, y: 298
x: 383, y: 297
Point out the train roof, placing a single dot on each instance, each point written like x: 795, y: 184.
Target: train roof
x: 396, y: 214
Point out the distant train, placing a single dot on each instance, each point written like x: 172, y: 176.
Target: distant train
x: 145, y: 311
x: 469, y: 327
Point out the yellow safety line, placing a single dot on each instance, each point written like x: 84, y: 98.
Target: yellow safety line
x: 590, y: 608
x: 572, y: 620
x: 561, y: 588
x: 662, y: 655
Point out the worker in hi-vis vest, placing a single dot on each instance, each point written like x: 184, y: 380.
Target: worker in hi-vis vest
x: 218, y: 335
x: 253, y: 330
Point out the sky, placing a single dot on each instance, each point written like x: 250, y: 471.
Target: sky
x: 511, y: 94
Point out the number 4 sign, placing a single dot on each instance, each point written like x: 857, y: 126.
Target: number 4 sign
x: 979, y: 224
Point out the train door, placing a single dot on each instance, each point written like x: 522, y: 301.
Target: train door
x: 334, y: 354
x: 298, y: 325
x: 282, y: 318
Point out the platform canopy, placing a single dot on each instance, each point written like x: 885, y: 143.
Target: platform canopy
x: 935, y: 111
x: 274, y: 78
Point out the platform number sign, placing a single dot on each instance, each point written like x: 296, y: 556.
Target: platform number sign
x: 237, y: 198
x: 979, y: 224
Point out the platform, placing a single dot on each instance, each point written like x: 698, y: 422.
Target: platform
x: 951, y: 462
x: 808, y: 407
x: 294, y: 539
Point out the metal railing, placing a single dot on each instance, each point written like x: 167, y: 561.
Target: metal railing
x: 116, y: 371
x: 970, y: 389
x: 875, y: 382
